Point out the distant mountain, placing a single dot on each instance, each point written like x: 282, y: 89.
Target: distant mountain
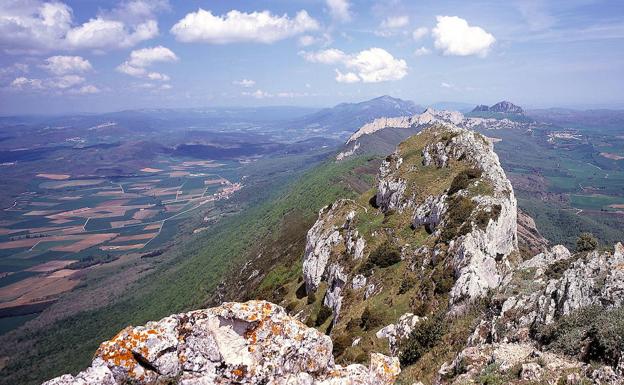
x: 504, y: 107
x: 343, y: 119
x: 452, y: 106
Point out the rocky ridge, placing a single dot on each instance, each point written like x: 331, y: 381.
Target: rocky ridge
x: 236, y: 343
x: 416, y: 122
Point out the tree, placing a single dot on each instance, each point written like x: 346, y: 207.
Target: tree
x: 586, y: 242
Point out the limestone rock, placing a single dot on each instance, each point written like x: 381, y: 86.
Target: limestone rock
x: 395, y: 333
x: 236, y: 343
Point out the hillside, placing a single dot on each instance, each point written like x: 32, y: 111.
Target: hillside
x: 424, y: 266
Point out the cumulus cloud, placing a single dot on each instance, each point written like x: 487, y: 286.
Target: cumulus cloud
x: 324, y: 39
x: 60, y: 65
x: 141, y: 59
x: 260, y: 94
x: 235, y: 26
x: 373, y: 65
x: 419, y: 33
x: 38, y: 26
x: 326, y: 56
x: 422, y: 51
x: 393, y: 22
x: 247, y: 83
x: 339, y: 9
x: 348, y: 77
x: 454, y: 36
x: 71, y: 84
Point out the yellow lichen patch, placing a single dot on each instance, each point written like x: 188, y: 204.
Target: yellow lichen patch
x: 119, y: 350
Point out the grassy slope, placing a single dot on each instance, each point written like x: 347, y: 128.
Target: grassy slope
x: 185, y: 283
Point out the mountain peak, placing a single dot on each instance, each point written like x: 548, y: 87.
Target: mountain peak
x: 500, y: 107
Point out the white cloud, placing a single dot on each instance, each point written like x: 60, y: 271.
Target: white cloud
x: 453, y: 36
x: 37, y: 26
x: 22, y: 83
x: 370, y: 66
x: 422, y: 51
x: 66, y: 81
x: 377, y: 65
x: 339, y: 9
x: 258, y: 94
x: 419, y: 33
x: 147, y: 56
x: 88, y: 89
x: 14, y: 70
x: 327, y: 56
x: 247, y: 83
x: 348, y: 77
x: 446, y: 85
x: 60, y: 65
x: 140, y: 59
x: 394, y: 22
x: 235, y: 26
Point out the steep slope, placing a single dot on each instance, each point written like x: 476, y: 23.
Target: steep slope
x: 423, y: 267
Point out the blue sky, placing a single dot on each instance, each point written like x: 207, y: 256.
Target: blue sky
x: 92, y: 56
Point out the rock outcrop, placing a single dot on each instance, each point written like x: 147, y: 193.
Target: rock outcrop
x: 236, y: 343
x: 501, y: 107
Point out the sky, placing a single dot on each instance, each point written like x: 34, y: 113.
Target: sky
x: 62, y: 56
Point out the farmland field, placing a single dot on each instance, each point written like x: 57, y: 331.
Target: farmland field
x: 63, y: 220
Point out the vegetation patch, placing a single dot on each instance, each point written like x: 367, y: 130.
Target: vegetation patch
x: 424, y: 337
x: 591, y: 334
x: 459, y: 211
x: 483, y: 217
x: 463, y: 180
x: 385, y: 255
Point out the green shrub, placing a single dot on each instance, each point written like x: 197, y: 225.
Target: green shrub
x: 311, y: 298
x: 592, y: 334
x: 586, y: 242
x: 424, y: 337
x: 370, y: 319
x: 443, y: 278
x: 323, y: 314
x: 385, y: 255
x: 463, y: 180
x: 459, y: 211
x: 483, y: 217
x: 341, y: 342
x: 407, y: 284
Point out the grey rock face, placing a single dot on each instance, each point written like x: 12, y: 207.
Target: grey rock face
x: 236, y: 343
x: 395, y: 333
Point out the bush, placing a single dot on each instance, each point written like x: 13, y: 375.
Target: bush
x: 387, y: 254
x: 483, y: 217
x: 586, y: 242
x: 341, y: 342
x: 311, y: 298
x: 463, y: 179
x: 370, y: 319
x: 407, y: 284
x: 323, y: 314
x: 443, y: 278
x: 590, y: 334
x: 424, y: 337
x: 459, y: 211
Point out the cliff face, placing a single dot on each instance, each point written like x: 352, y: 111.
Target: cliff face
x: 236, y: 343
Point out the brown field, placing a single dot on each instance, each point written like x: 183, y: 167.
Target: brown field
x: 70, y: 198
x: 54, y: 176
x: 40, y: 212
x: 137, y: 237
x: 215, y: 181
x: 154, y: 226
x: 9, y: 231
x: 60, y: 221
x: 37, y: 289
x: 75, y: 183
x: 19, y: 244
x: 174, y: 208
x: 123, y: 248
x: 149, y: 169
x: 43, y: 204
x: 86, y: 242
x: 101, y: 211
x: 617, y: 206
x: 51, y: 266
x: 144, y: 214
x: 609, y: 155
x: 177, y: 174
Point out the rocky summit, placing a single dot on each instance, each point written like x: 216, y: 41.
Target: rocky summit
x: 500, y: 107
x: 236, y: 343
